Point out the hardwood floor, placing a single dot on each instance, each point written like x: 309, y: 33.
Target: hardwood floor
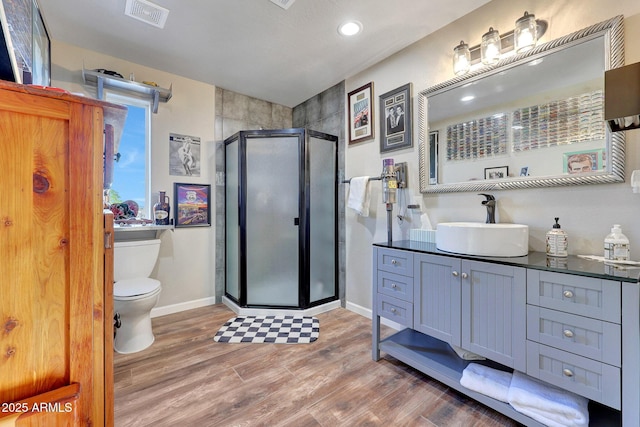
x: 187, y: 379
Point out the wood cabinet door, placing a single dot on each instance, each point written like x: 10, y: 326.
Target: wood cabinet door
x: 494, y: 312
x: 51, y: 256
x: 437, y: 297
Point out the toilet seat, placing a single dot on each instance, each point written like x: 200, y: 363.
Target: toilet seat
x: 132, y: 289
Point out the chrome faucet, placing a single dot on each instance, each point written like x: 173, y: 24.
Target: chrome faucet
x: 490, y: 203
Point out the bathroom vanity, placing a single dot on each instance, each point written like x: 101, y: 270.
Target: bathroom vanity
x: 573, y: 323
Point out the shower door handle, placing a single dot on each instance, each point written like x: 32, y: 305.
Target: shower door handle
x: 296, y: 221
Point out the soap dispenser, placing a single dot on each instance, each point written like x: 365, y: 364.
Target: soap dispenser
x: 557, y: 241
x: 616, y: 245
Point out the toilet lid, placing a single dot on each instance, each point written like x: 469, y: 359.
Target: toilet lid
x: 134, y: 287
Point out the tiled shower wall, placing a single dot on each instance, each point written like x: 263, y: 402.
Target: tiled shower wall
x: 236, y: 112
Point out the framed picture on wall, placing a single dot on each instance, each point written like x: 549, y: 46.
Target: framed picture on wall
x: 360, y: 103
x: 395, y: 119
x: 191, y: 205
x: 433, y: 157
x: 496, y: 173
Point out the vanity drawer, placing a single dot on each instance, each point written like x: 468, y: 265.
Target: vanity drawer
x: 394, y: 309
x: 584, y: 296
x: 581, y: 335
x: 395, y: 285
x: 395, y: 261
x: 594, y: 380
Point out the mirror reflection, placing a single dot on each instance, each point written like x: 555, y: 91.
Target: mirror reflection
x: 535, y: 120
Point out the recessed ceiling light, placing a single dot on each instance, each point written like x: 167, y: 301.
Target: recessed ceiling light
x: 350, y: 28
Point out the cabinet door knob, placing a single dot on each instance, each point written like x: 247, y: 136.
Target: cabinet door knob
x: 393, y: 285
x: 393, y: 310
x: 567, y: 372
x: 465, y: 275
x: 568, y: 333
x: 455, y: 273
x: 394, y: 262
x: 567, y: 294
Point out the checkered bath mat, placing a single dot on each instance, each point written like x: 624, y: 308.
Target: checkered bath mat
x: 269, y: 329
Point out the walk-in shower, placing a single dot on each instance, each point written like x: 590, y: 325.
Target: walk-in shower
x: 281, y: 218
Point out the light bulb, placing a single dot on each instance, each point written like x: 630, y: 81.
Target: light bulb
x: 461, y: 59
x: 525, y: 34
x: 490, y: 47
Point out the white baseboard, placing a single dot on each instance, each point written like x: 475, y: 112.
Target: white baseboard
x: 183, y: 306
x: 366, y: 312
x: 280, y: 312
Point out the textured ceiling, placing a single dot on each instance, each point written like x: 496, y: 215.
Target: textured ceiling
x: 254, y: 47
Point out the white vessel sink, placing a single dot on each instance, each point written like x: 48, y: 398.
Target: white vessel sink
x: 476, y: 238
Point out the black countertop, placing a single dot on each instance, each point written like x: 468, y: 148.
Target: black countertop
x: 534, y: 260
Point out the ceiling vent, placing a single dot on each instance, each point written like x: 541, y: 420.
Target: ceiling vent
x: 285, y: 4
x: 146, y: 11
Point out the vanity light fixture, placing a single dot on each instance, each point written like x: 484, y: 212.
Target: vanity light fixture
x: 490, y: 47
x: 350, y: 28
x: 461, y: 59
x: 525, y: 35
x: 527, y: 32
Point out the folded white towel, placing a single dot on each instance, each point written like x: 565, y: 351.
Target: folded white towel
x: 359, y: 195
x: 466, y: 354
x: 547, y: 404
x: 488, y: 381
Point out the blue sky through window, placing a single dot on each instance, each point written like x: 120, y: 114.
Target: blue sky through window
x: 129, y: 172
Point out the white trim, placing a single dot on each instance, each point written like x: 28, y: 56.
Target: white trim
x: 279, y: 312
x: 366, y: 312
x: 183, y: 306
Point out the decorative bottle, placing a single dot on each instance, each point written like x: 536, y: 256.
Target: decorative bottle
x: 161, y: 210
x: 557, y: 241
x: 616, y: 245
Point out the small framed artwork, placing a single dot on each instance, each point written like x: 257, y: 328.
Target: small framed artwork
x: 524, y: 171
x: 191, y: 205
x: 360, y: 103
x: 433, y: 157
x: 496, y: 173
x: 395, y: 119
x: 584, y: 161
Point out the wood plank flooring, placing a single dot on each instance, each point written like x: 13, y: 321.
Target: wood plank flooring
x: 187, y: 379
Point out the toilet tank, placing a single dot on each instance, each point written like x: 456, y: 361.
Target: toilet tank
x: 134, y: 258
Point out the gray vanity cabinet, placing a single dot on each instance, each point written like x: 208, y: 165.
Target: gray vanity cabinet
x: 493, y: 317
x: 474, y: 305
x: 574, y: 335
x: 577, y: 329
x: 437, y: 297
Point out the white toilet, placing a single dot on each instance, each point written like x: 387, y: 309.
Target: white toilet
x: 134, y: 293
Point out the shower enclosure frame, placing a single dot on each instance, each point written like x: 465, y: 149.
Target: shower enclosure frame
x: 302, y: 220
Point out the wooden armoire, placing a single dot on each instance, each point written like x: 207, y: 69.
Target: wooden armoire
x: 56, y: 265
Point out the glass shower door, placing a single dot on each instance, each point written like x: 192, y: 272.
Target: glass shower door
x: 322, y: 218
x: 232, y: 219
x: 272, y: 218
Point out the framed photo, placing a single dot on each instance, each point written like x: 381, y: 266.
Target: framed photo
x: 433, y: 157
x: 584, y: 161
x: 361, y: 113
x: 496, y: 173
x: 524, y: 171
x: 395, y: 119
x: 191, y: 205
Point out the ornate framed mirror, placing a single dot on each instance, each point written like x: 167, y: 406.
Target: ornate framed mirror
x: 535, y: 120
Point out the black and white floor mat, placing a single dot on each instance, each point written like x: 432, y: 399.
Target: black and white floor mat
x: 269, y: 329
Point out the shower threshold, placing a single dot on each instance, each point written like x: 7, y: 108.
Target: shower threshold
x: 311, y: 311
